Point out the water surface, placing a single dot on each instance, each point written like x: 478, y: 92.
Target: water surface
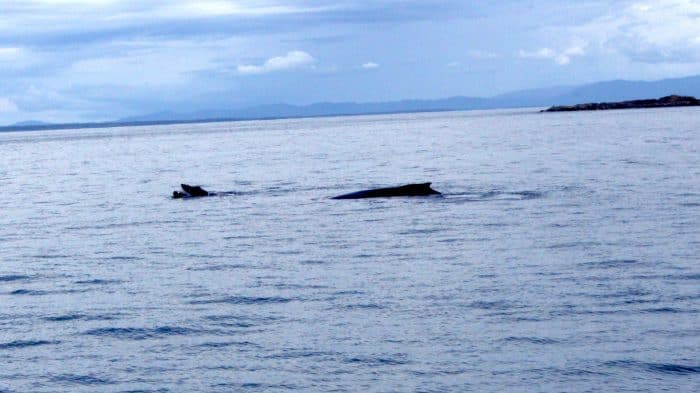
x: 563, y: 257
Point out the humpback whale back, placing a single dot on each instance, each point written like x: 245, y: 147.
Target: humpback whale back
x: 421, y: 189
x: 195, y: 191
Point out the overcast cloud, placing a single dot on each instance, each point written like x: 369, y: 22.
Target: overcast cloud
x: 86, y: 60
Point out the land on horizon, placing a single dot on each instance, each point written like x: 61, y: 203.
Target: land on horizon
x: 612, y: 91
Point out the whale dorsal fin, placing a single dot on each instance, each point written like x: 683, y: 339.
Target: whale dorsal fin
x: 194, y: 190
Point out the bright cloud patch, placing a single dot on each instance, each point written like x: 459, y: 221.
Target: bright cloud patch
x: 7, y: 105
x: 560, y: 57
x: 661, y: 31
x: 292, y: 60
x: 9, y: 53
x: 369, y: 65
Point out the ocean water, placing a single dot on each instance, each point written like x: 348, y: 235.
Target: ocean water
x: 564, y: 255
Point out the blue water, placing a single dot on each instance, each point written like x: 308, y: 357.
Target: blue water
x: 563, y: 257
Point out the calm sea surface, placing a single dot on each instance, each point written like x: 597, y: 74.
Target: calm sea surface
x: 564, y: 256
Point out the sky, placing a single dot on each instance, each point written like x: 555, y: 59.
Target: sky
x: 97, y: 60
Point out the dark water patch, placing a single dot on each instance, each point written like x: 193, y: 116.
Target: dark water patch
x: 124, y: 258
x: 97, y: 281
x: 26, y: 343
x: 424, y: 231
x: 671, y: 277
x: 289, y: 252
x: 495, y: 224
x: 264, y: 387
x: 531, y: 340
x: 64, y: 318
x: 299, y: 354
x: 244, y: 300
x: 33, y: 292
x: 569, y: 310
x: 664, y: 310
x: 51, y: 256
x: 140, y: 333
x: 298, y: 286
x: 610, y: 263
x: 14, y: 277
x: 239, y: 322
x: 219, y: 267
x: 348, y: 292
x: 29, y: 292
x: 629, y: 292
x: 528, y: 194
x: 658, y: 368
x: 312, y: 262
x: 126, y: 225
x: 225, y: 344
x: 567, y: 372
x: 564, y: 245
x: 690, y: 204
x: 366, y: 306
x: 683, y: 298
x: 240, y: 237
x: 493, y: 305
x: 632, y: 301
x: 76, y: 379
x: 80, y: 317
x: 374, y: 361
x: 226, y: 317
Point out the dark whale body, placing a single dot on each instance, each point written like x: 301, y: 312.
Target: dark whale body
x: 422, y: 189
x: 189, y: 191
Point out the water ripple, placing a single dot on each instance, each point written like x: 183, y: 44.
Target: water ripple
x: 244, y: 300
x: 131, y: 333
x: 26, y: 343
x: 661, y: 368
x: 76, y: 379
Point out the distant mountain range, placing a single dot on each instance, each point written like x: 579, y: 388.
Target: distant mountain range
x: 617, y: 90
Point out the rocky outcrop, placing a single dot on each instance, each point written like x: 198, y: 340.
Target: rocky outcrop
x: 662, y: 102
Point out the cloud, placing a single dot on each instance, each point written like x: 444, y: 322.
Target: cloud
x: 652, y: 32
x: 9, y: 53
x: 292, y: 60
x: 370, y: 65
x: 560, y: 57
x: 77, y: 22
x: 7, y: 105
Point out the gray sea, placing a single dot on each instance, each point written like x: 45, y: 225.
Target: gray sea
x: 564, y: 255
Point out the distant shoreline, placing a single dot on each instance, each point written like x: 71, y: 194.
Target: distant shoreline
x: 115, y: 124
x: 663, y: 102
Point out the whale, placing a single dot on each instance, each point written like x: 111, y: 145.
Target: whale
x: 421, y: 189
x: 189, y: 191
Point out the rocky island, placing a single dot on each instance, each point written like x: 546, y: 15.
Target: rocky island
x: 668, y: 101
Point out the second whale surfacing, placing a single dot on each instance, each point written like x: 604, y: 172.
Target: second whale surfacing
x: 421, y: 189
x: 189, y: 191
